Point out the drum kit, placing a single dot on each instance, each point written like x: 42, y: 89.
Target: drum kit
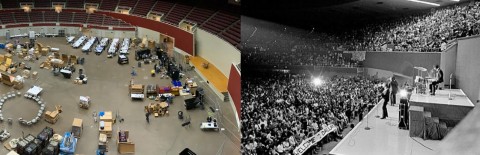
x: 421, y: 83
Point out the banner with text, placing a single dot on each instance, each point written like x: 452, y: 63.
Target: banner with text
x: 309, y: 142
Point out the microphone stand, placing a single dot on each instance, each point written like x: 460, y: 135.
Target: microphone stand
x: 450, y: 91
x: 367, y: 128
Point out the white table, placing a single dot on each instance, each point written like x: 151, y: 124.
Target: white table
x: 137, y: 95
x: 70, y: 39
x: 207, y: 125
x: 104, y: 42
x: 65, y: 71
x: 99, y: 48
x: 125, y: 46
x: 19, y: 35
x: 113, y: 46
x: 51, y: 35
x: 35, y: 90
x: 79, y: 42
x: 89, y: 44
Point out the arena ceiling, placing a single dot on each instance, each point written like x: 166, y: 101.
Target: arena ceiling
x: 307, y: 13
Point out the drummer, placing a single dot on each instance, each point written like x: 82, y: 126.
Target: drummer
x: 438, y: 79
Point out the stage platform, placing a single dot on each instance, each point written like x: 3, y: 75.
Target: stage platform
x: 212, y: 74
x: 384, y: 136
x: 451, y: 111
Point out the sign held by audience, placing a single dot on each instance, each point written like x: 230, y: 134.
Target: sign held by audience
x: 309, y: 142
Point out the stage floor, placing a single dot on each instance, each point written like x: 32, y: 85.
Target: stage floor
x: 383, y: 138
x: 441, y: 97
x: 214, y: 76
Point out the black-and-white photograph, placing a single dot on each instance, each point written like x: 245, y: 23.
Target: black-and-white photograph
x: 360, y: 77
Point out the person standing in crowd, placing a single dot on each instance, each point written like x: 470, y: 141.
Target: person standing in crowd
x: 394, y: 89
x: 385, y: 96
x: 133, y: 71
x: 438, y: 79
x: 147, y: 116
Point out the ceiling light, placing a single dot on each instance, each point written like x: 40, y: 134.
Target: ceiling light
x: 456, y: 0
x: 429, y: 3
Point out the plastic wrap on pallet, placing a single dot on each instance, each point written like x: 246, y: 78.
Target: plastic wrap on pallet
x: 68, y: 144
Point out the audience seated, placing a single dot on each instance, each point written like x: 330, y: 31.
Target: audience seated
x: 426, y: 32
x: 280, y: 110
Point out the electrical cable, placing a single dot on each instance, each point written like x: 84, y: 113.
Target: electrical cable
x: 422, y: 144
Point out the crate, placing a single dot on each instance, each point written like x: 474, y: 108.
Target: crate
x: 77, y: 127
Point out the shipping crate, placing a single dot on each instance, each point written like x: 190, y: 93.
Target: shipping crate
x: 77, y: 127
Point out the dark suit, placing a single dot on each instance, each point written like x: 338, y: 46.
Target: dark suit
x: 394, y: 86
x: 434, y: 85
x: 385, y: 97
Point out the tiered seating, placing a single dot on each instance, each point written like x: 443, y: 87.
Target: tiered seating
x: 232, y: 34
x: 75, y: 3
x: 10, y: 4
x: 65, y: 17
x: 163, y: 7
x: 178, y: 13
x: 93, y: 1
x: 199, y: 15
x: 108, y: 5
x: 80, y: 17
x: 124, y: 24
x: 36, y: 16
x: 21, y: 17
x: 127, y: 3
x: 143, y: 7
x: 43, y: 3
x: 50, y: 16
x: 95, y: 19
x: 110, y: 21
x: 219, y: 22
x: 7, y: 18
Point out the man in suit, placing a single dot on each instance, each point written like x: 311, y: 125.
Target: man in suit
x: 438, y: 79
x: 394, y: 89
x: 386, y: 97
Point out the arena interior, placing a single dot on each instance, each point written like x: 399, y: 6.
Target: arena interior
x: 360, y: 77
x: 143, y: 77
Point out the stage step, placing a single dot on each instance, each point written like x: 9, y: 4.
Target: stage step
x: 226, y: 97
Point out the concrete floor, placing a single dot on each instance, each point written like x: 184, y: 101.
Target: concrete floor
x: 108, y: 89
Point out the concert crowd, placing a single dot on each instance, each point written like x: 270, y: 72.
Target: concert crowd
x: 280, y: 110
x: 271, y: 43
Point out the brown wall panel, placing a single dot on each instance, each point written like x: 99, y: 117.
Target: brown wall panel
x: 183, y: 39
x: 234, y: 88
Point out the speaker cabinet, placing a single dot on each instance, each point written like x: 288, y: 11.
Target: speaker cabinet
x: 403, y: 114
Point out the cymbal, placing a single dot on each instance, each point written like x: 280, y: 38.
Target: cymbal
x: 421, y: 69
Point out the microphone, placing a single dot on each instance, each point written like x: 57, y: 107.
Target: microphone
x: 450, y: 91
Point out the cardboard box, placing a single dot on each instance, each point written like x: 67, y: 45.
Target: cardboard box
x: 77, y: 127
x: 125, y: 147
x: 34, y: 74
x: 8, y: 55
x: 107, y: 130
x: 107, y: 117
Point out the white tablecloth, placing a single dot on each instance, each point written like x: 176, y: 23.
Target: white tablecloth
x: 65, y: 71
x: 79, y: 41
x: 137, y: 95
x: 113, y: 46
x: 70, y: 39
x: 35, y: 90
x: 89, y: 44
x: 206, y: 125
x: 104, y: 42
x: 125, y: 46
